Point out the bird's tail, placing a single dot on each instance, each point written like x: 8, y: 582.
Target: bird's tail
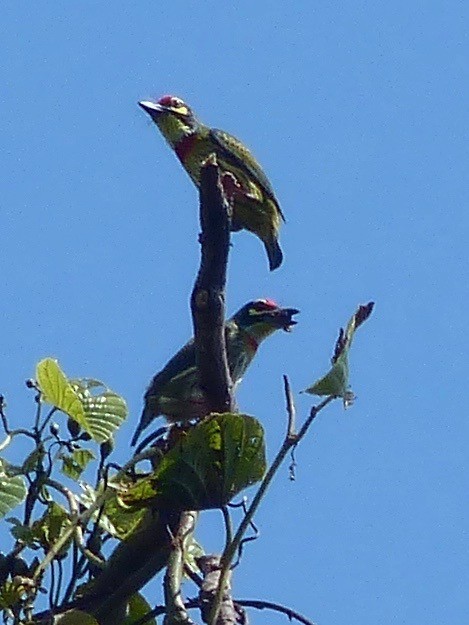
x: 274, y: 253
x: 145, y: 420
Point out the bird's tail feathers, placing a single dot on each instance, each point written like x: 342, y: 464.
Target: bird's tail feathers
x: 274, y: 253
x: 145, y: 420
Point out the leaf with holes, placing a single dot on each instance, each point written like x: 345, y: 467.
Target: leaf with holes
x: 208, y: 466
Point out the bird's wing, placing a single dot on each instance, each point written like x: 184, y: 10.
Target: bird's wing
x: 181, y: 361
x: 232, y: 147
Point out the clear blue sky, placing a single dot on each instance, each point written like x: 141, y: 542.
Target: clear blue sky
x: 359, y: 113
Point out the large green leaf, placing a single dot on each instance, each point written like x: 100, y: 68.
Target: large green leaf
x: 336, y: 380
x: 95, y: 407
x: 137, y: 607
x: 57, y: 390
x: 12, y: 489
x: 75, y: 617
x: 210, y: 464
x: 103, y: 409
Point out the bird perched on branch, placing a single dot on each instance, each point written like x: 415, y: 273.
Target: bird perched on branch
x: 175, y: 392
x: 255, y: 207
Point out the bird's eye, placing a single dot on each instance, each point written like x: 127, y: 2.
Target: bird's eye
x: 177, y: 103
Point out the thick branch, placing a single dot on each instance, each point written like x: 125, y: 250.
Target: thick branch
x: 208, y: 295
x: 227, y: 615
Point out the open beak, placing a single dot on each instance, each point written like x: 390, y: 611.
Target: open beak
x: 284, y: 318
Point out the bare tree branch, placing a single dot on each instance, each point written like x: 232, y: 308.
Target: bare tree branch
x: 208, y: 295
x: 277, y: 607
x: 227, y: 614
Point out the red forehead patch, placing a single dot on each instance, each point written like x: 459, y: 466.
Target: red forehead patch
x: 267, y: 304
x: 166, y: 100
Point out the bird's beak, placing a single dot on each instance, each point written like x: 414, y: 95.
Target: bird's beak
x: 152, y: 108
x: 284, y: 318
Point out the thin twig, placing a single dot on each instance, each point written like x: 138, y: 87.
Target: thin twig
x: 49, y: 416
x: 192, y: 604
x: 74, y: 575
x: 59, y: 581
x: 192, y: 575
x: 175, y: 610
x: 79, y: 520
x: 291, y: 411
x: 38, y: 412
x: 228, y: 525
x: 74, y: 509
x: 228, y: 554
x: 277, y: 607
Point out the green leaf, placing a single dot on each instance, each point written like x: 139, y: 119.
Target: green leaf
x: 122, y: 519
x: 12, y: 490
x: 336, y: 380
x: 75, y: 463
x: 75, y: 617
x: 57, y: 390
x: 192, y: 552
x: 115, y: 519
x: 136, y: 609
x: 104, y: 410
x: 51, y: 526
x: 24, y: 533
x: 97, y: 409
x: 208, y: 466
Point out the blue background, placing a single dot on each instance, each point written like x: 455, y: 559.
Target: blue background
x: 358, y: 113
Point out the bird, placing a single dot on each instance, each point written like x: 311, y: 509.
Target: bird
x: 175, y: 393
x: 255, y: 207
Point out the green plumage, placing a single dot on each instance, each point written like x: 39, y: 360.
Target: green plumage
x: 255, y: 207
x: 175, y: 392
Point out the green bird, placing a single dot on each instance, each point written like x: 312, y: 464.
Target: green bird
x: 175, y: 392
x: 255, y: 207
